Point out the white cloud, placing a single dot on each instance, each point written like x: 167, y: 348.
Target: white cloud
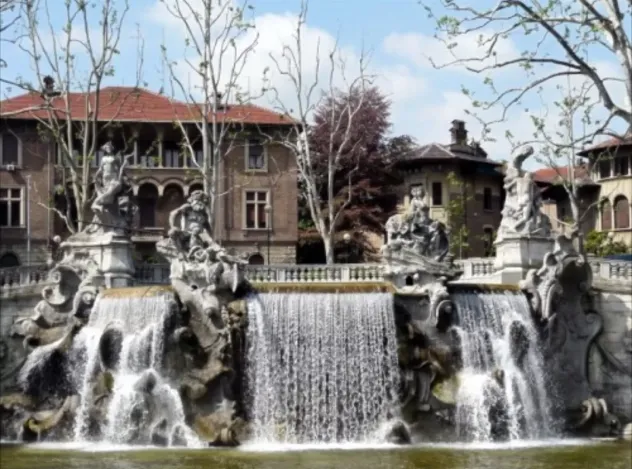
x: 423, y: 50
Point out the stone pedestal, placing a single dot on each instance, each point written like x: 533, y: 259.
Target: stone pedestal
x: 112, y: 254
x: 515, y: 256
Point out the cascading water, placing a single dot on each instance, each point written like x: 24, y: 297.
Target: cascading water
x: 502, y: 387
x: 141, y: 322
x: 321, y: 367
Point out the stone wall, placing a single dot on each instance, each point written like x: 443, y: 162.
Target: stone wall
x: 610, y: 359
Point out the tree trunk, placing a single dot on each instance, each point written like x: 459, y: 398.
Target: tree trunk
x: 328, y: 242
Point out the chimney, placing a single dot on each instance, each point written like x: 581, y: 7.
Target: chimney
x: 48, y: 87
x: 458, y: 133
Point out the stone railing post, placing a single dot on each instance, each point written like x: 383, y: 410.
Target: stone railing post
x: 345, y: 273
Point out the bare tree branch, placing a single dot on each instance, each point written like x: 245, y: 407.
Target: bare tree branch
x: 69, y: 117
x: 323, y: 207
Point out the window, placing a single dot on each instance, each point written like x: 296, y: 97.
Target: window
x: 256, y: 259
x: 487, y: 199
x: 621, y: 166
x: 606, y: 215
x: 488, y: 241
x: 10, y: 207
x: 562, y: 213
x: 604, y: 169
x: 172, y: 156
x: 9, y: 260
x: 256, y: 216
x: 437, y: 193
x: 256, y: 156
x: 621, y: 213
x: 147, y: 202
x: 147, y: 154
x: 10, y: 149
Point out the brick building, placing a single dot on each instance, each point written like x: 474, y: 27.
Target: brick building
x: 256, y: 214
x: 479, y: 187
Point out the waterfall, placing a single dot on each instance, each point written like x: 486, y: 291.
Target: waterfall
x: 494, y: 327
x: 321, y: 367
x: 137, y: 374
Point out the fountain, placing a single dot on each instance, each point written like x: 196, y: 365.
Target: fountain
x: 322, y: 367
x: 214, y: 360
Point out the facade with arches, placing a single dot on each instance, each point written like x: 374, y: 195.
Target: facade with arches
x: 612, y: 170
x: 256, y: 212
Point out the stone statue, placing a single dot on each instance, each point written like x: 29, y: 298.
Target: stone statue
x: 112, y: 207
x: 415, y: 231
x: 417, y: 247
x: 200, y: 268
x: 522, y: 212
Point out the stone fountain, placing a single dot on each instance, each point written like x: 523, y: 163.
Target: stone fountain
x: 200, y: 362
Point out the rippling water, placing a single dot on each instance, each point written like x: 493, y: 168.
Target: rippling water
x: 569, y: 456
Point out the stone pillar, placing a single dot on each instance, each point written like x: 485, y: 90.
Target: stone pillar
x: 516, y: 255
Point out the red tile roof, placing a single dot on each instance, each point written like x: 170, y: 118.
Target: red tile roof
x: 121, y: 103
x: 551, y: 175
x: 610, y: 143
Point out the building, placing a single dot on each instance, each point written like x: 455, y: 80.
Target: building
x: 459, y: 173
x: 257, y: 212
x: 611, y: 161
x: 604, y: 190
x: 556, y: 202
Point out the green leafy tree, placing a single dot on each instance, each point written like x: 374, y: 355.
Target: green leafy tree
x: 599, y: 243
x: 456, y: 215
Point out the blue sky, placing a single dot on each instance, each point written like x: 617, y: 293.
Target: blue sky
x: 398, y: 32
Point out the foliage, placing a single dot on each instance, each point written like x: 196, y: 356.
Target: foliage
x: 364, y: 180
x: 456, y: 211
x: 549, y: 47
x: 600, y: 244
x: 552, y: 43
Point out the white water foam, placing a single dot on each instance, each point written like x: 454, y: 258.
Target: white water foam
x: 141, y: 322
x: 485, y: 327
x: 321, y: 367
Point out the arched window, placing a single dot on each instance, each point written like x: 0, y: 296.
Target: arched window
x: 9, y: 260
x: 147, y: 201
x: 606, y: 215
x: 256, y: 259
x: 195, y: 187
x: 621, y: 212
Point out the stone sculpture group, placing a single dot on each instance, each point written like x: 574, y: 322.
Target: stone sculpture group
x: 209, y: 319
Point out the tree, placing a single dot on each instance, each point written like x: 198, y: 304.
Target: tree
x: 456, y: 210
x: 70, y: 63
x: 560, y: 40
x: 364, y: 179
x: 218, y: 34
x: 337, y: 120
x: 601, y: 244
x: 9, y: 18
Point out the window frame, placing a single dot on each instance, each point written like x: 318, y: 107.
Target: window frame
x: 22, y: 221
x: 245, y: 203
x: 432, y: 193
x: 247, y: 156
x: 19, y: 140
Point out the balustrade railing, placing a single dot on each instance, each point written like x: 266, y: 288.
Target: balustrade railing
x: 158, y: 274
x: 23, y: 276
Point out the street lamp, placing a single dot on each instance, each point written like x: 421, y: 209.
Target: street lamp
x: 268, y: 209
x: 347, y: 239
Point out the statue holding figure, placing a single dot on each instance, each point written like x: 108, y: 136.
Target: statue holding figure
x: 413, y: 233
x: 112, y: 205
x: 191, y: 249
x: 522, y: 212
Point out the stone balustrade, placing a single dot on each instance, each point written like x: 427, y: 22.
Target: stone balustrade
x: 15, y: 278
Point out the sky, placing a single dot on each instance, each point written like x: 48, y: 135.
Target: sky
x: 397, y: 34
